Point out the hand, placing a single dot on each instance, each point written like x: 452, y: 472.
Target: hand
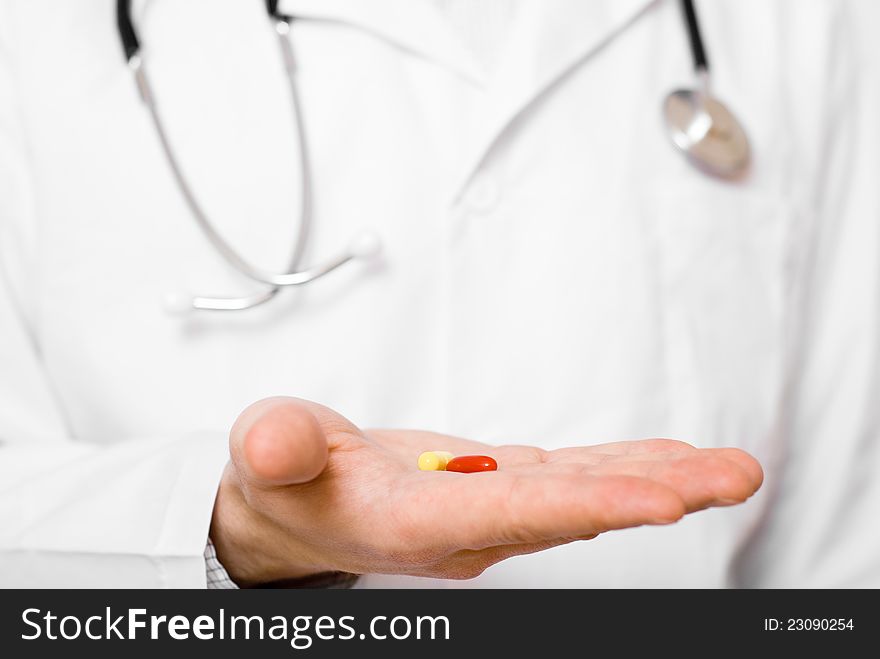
x: 306, y: 491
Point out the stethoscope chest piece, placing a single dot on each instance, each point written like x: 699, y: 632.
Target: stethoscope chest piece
x: 700, y: 125
x: 707, y: 132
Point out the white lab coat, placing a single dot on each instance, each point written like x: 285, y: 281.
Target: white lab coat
x: 553, y: 271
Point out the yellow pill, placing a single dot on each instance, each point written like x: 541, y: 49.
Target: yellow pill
x: 434, y: 460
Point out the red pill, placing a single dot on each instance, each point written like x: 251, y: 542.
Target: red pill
x: 468, y: 464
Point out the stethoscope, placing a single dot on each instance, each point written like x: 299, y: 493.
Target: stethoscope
x: 700, y: 126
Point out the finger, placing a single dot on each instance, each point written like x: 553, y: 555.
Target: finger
x: 596, y: 453
x: 743, y: 460
x: 514, y: 455
x: 277, y: 442
x: 498, y: 508
x: 651, y: 449
x: 748, y: 464
x: 701, y: 478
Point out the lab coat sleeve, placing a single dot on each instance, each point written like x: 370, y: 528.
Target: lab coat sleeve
x: 822, y: 529
x: 132, y: 514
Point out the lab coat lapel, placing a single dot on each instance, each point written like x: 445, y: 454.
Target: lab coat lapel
x: 548, y: 39
x: 417, y: 26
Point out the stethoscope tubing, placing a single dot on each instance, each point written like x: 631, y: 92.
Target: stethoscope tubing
x: 294, y: 276
x: 687, y: 138
x: 695, y: 37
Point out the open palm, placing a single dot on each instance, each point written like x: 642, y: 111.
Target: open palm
x: 312, y: 492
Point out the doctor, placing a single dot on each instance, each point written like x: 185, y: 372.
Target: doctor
x: 553, y: 274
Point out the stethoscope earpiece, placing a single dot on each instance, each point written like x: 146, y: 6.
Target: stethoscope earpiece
x: 366, y: 245
x: 178, y: 304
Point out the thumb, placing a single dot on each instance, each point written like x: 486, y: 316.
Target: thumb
x: 277, y: 442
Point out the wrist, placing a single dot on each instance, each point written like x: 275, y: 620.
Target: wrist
x: 248, y: 545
